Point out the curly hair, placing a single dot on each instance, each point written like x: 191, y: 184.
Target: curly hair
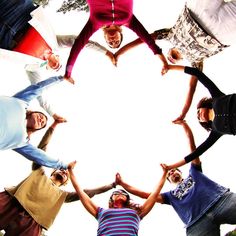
x: 205, y: 103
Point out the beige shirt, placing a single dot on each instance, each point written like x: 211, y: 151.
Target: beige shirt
x: 40, y: 197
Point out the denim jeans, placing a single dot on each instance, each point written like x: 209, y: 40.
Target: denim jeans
x: 223, y: 212
x: 14, y: 17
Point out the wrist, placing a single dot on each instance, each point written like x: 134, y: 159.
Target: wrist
x: 113, y: 185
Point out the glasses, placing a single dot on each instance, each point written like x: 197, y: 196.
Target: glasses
x: 120, y: 193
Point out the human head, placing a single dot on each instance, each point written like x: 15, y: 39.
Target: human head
x: 116, y: 193
x: 59, y: 177
x: 53, y: 61
x: 174, y: 176
x: 205, y: 103
x: 36, y: 120
x: 113, y: 36
x: 174, y: 55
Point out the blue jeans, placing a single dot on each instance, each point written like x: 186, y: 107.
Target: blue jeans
x: 14, y: 17
x: 223, y: 212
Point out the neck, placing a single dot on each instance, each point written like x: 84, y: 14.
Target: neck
x: 57, y: 183
x: 118, y: 204
x: 211, y: 114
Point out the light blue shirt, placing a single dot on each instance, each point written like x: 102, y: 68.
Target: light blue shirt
x: 13, y: 133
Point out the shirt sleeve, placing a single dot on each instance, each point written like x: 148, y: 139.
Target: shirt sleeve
x: 143, y: 34
x: 96, y: 47
x: 34, y: 73
x: 35, y: 90
x: 213, y: 89
x: 165, y: 198
x: 66, y: 41
x: 162, y: 33
x: 78, y: 45
x: 213, y: 137
x: 40, y: 157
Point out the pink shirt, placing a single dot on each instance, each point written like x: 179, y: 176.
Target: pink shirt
x: 105, y: 13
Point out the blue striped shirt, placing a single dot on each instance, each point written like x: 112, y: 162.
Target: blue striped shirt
x: 119, y: 221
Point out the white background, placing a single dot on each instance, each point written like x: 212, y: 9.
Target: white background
x: 119, y: 120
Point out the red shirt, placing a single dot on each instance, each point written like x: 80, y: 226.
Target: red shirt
x: 33, y: 44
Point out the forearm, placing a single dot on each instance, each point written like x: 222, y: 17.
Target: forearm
x: 65, y: 41
x: 84, y: 198
x: 143, y: 34
x: 102, y: 189
x: 35, y: 90
x: 151, y: 200
x: 96, y: 47
x: 213, y: 137
x: 129, y: 46
x: 78, y: 45
x: 189, y: 97
x: 135, y: 191
x: 40, y: 157
x: 45, y: 139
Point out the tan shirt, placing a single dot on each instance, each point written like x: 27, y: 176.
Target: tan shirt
x: 39, y: 197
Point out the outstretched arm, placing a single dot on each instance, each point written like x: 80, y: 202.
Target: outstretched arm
x: 39, y: 156
x: 84, y: 198
x: 35, y: 75
x: 35, y: 90
x: 190, y: 138
x: 189, y: 98
x: 195, y: 154
x: 213, y: 89
x: 135, y: 191
x: 139, y: 29
x: 78, y: 45
x: 156, y: 35
x: 73, y: 196
x: 151, y: 200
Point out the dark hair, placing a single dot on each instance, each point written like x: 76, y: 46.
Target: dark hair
x: 205, y: 103
x: 111, y: 202
x: 29, y: 113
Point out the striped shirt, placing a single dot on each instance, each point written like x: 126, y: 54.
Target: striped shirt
x: 121, y: 221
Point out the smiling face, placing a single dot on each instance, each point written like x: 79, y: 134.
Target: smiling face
x: 174, y: 176
x: 119, y: 198
x: 60, y: 177
x: 36, y: 120
x: 113, y: 36
x: 203, y: 114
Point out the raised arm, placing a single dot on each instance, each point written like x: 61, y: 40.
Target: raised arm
x: 189, y: 98
x: 84, y: 198
x: 195, y: 154
x: 213, y: 89
x: 156, y: 35
x: 151, y: 200
x: 139, y: 29
x: 73, y: 196
x: 35, y: 90
x: 34, y: 73
x: 191, y: 141
x: 78, y: 45
x: 135, y: 191
x: 39, y: 156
